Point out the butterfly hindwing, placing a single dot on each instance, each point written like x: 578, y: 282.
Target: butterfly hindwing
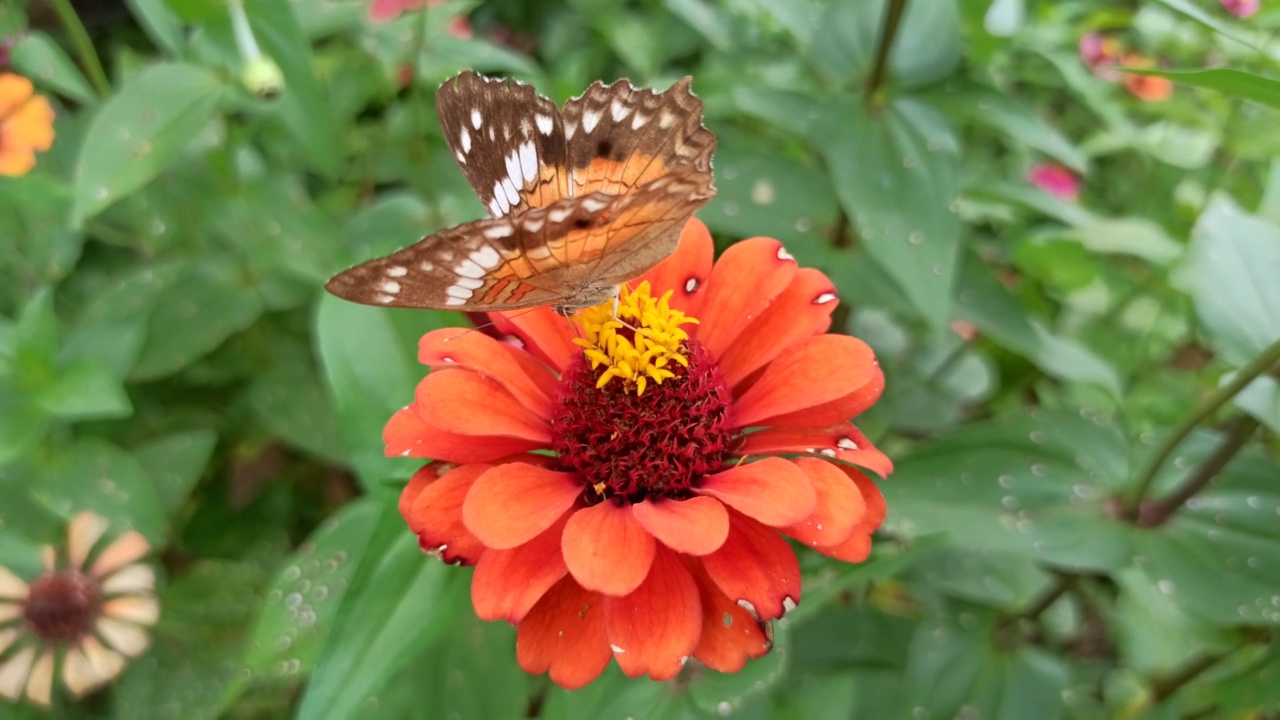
x: 507, y: 140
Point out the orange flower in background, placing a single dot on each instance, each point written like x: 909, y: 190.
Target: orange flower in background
x: 92, y: 611
x: 657, y: 529
x: 26, y: 125
x: 1146, y: 87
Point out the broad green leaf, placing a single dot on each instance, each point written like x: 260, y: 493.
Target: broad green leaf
x: 399, y: 602
x: 1152, y: 632
x: 161, y: 24
x: 1228, y: 533
x: 768, y: 194
x: 1261, y: 399
x: 84, y: 390
x: 33, y: 222
x: 1014, y: 121
x: 118, y: 488
x: 303, y: 599
x: 175, y: 462
x: 140, y: 131
x: 1233, y: 269
x: 896, y: 173
x: 290, y: 401
x: 926, y: 49
x: 22, y: 423
x: 41, y: 59
x: 1217, y: 23
x: 196, y: 646
x: 194, y: 315
x: 371, y: 369
x: 1035, y: 487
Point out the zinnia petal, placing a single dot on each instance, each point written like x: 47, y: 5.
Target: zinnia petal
x: 545, y: 335
x: 835, y: 411
x: 84, y: 531
x: 470, y: 404
x: 607, y: 549
x: 655, y: 629
x: 138, y: 609
x: 40, y: 682
x: 435, y: 515
x: 564, y: 633
x: 730, y: 634
x: 408, y: 435
x: 773, y: 491
x: 756, y: 566
x: 854, y: 550
x: 31, y: 125
x: 11, y: 586
x: 812, y: 373
x: 839, y: 508
x: 515, y: 502
x: 528, y: 380
x: 696, y: 526
x: 842, y: 441
x: 15, y: 90
x: 508, y: 583
x: 686, y: 272
x: 14, y: 672
x: 801, y: 311
x: 744, y: 281
x: 122, y: 551
x: 125, y: 637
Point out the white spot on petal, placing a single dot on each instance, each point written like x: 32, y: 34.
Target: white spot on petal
x: 784, y: 255
x: 788, y: 605
x: 847, y: 444
x: 824, y: 298
x: 691, y: 284
x: 617, y: 649
x: 746, y: 605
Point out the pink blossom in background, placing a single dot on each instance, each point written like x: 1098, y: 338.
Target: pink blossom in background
x: 384, y: 10
x: 1241, y: 8
x: 1098, y: 53
x: 1056, y: 180
x: 461, y: 28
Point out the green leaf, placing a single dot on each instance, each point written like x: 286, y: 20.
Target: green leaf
x: 1233, y: 269
x: 208, y: 303
x: 85, y: 390
x: 1260, y: 399
x: 160, y: 23
x: 399, y: 602
x: 290, y: 401
x: 33, y: 221
x: 96, y: 475
x: 769, y: 194
x: 140, y: 131
x: 303, y: 599
x: 1024, y: 486
x: 41, y: 59
x: 1235, y: 83
x: 1014, y: 120
x: 896, y: 174
x: 370, y: 367
x: 926, y: 49
x: 175, y: 462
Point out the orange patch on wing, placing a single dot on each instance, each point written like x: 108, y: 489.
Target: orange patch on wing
x: 520, y: 292
x: 496, y: 290
x: 616, y: 177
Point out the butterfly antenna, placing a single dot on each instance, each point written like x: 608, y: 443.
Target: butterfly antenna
x: 489, y: 328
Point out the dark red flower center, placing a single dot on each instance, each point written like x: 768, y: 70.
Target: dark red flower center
x: 62, y: 607
x: 635, y: 446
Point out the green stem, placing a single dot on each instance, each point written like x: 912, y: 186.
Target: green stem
x: 893, y: 13
x: 1156, y: 513
x: 84, y: 46
x: 1247, y: 374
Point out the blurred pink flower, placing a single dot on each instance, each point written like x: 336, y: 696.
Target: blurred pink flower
x: 1098, y: 53
x: 461, y: 28
x: 1241, y: 8
x: 1056, y: 180
x: 384, y: 10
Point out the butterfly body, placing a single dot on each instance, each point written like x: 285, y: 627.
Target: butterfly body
x: 582, y: 199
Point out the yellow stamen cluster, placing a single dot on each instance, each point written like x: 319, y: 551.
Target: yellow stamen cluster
x: 645, y: 352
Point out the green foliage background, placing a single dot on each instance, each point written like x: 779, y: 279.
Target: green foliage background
x: 168, y: 359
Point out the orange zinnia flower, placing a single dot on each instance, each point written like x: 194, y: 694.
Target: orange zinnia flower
x: 92, y: 611
x: 1146, y: 87
x: 656, y: 529
x: 26, y: 125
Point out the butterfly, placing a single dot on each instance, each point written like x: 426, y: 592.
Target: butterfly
x: 582, y: 199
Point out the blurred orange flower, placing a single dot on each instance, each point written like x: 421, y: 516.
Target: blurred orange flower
x: 26, y: 125
x: 1146, y: 87
x: 686, y: 452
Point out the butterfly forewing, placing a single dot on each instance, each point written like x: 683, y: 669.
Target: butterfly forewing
x: 507, y: 140
x: 581, y: 200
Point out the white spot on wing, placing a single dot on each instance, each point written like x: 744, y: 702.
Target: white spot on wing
x: 456, y: 301
x: 469, y: 268
x: 534, y: 224
x: 498, y: 231
x: 618, y: 110
x: 501, y: 196
x: 528, y: 161
x: 462, y: 159
x: 457, y: 291
x: 495, y: 207
x: 469, y: 283
x: 476, y: 119
x: 545, y: 123
x: 464, y: 139
x: 390, y: 287
x: 558, y: 214
x: 427, y: 265
x: 513, y: 172
x: 592, y: 204
x: 513, y: 196
x: 569, y: 130
x: 666, y: 119
x: 486, y: 256
x: 639, y: 121
x: 397, y: 271
x: 589, y: 120
x: 386, y: 299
